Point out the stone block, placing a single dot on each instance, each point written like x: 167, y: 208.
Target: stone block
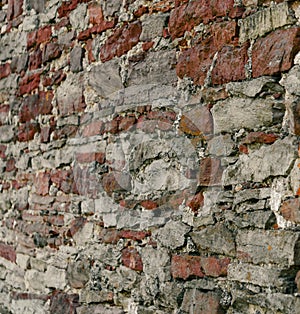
x: 264, y: 21
x: 272, y: 246
x: 152, y: 26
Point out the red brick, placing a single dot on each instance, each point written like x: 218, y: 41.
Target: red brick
x: 51, y: 51
x: 148, y: 204
x: 29, y: 83
x: 215, y: 267
x: 94, y: 128
x: 96, y: 29
x: 42, y: 183
x: 116, y: 182
x: 148, y: 45
x: 134, y: 235
x: 90, y: 157
x: 126, y: 123
x: 224, y: 33
x: 62, y: 302
x: 35, y: 60
x: 132, y: 259
x: 45, y: 134
x: 31, y: 39
x: 112, y: 126
x: 45, y: 102
x: 67, y: 7
x: 290, y: 210
x: 95, y: 13
x: 4, y: 70
x: 2, y: 151
x: 186, y: 266
x: 162, y: 6
x: 121, y: 41
x: 185, y: 17
x: 140, y: 11
x: 260, y: 137
x: 275, y: 52
x: 55, y: 78
x: 89, y: 48
x: 15, y: 9
x: 63, y: 179
x: 76, y: 225
x: 196, y: 202
x: 10, y: 165
x: 65, y: 131
x: 44, y: 35
x: 210, y: 173
x: 8, y: 252
x: 111, y: 236
x: 230, y: 65
x: 196, y: 122
x: 27, y: 131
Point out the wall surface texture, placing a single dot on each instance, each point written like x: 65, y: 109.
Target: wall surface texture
x: 149, y: 157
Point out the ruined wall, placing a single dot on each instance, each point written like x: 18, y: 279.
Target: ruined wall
x: 149, y: 156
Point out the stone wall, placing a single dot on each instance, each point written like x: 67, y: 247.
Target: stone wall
x: 149, y: 156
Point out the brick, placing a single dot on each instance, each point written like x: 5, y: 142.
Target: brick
x: 42, y: 183
x: 116, y: 182
x: 63, y: 179
x: 76, y: 225
x: 134, y: 235
x: 186, y: 266
x: 61, y: 302
x: 29, y: 83
x: 185, y: 17
x: 51, y: 51
x: 90, y: 157
x: 275, y: 52
x: 132, y: 259
x: 210, y: 173
x: 94, y: 128
x: 66, y: 7
x: 230, y: 65
x: 4, y: 70
x: 8, y: 252
x: 43, y: 35
x: 96, y: 29
x: 260, y: 137
x: 55, y: 78
x: 10, y: 165
x: 149, y: 204
x: 15, y: 9
x: 95, y: 13
x: 35, y: 60
x: 126, y: 123
x: 2, y: 151
x: 196, y: 202
x: 121, y: 41
x: 290, y: 210
x: 197, y: 122
x: 27, y: 131
x: 215, y: 267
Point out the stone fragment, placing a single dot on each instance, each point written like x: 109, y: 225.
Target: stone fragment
x: 61, y: 302
x: 152, y: 26
x: 186, y: 266
x: 78, y: 17
x: 157, y: 68
x: 264, y: 21
x: 275, y: 53
x: 78, y: 273
x: 237, y: 113
x: 38, y: 6
x: 199, y: 302
x: 210, y: 173
x: 70, y: 95
x: 172, y: 235
x: 216, y: 239
x: 76, y: 58
x: 261, y: 246
x: 256, y: 275
x: 272, y: 160
x: 55, y: 277
x: 8, y: 252
x: 121, y: 41
x: 221, y: 145
x: 98, y: 309
x: 132, y: 259
x: 106, y: 79
x: 110, y: 8
x: 6, y: 133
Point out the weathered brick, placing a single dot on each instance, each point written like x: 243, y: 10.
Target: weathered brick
x: 290, y: 210
x: 8, y: 252
x: 4, y: 70
x: 90, y: 157
x: 230, y: 65
x: 15, y: 8
x: 51, y: 51
x: 210, y: 172
x: 275, y: 52
x: 63, y: 179
x: 2, y: 151
x: 188, y: 15
x: 95, y: 13
x: 35, y: 60
x: 186, y: 266
x: 132, y: 259
x: 27, y: 131
x: 197, y: 122
x: 61, y: 302
x: 42, y: 183
x: 260, y: 137
x: 121, y: 41
x: 29, y: 83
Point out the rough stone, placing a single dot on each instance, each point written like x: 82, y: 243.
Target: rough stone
x: 76, y: 58
x: 152, y: 26
x: 236, y: 113
x: 264, y: 21
x: 106, y: 79
x: 216, y: 239
x: 272, y: 160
